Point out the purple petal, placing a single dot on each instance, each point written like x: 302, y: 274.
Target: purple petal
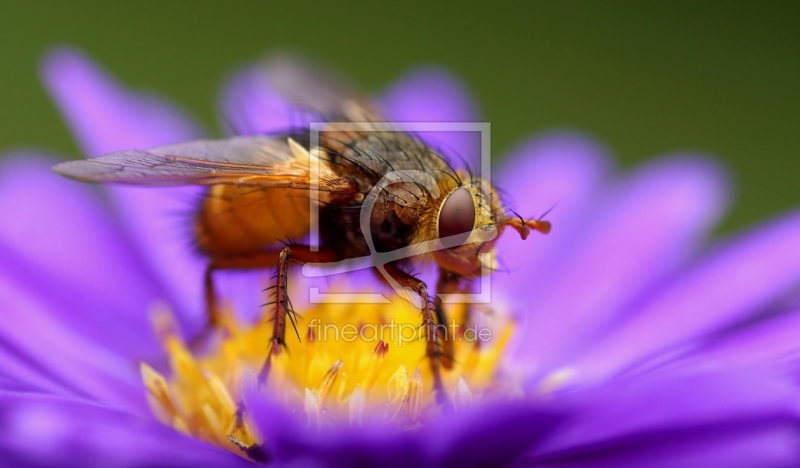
x: 42, y: 430
x: 435, y: 95
x: 58, y: 241
x: 685, y: 418
x: 14, y: 383
x: 771, y: 343
x: 641, y: 230
x: 493, y: 435
x: 159, y: 221
x: 753, y: 446
x: 287, y: 440
x: 487, y: 436
x: 727, y: 287
x: 562, y: 171
x: 250, y: 105
x: 39, y: 351
x: 106, y: 117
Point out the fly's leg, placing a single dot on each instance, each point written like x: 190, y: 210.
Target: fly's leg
x: 447, y: 284
x: 255, y: 452
x: 249, y: 261
x: 444, y: 335
x: 452, y: 283
x: 283, y: 305
x: 433, y: 349
x: 211, y: 297
x: 260, y: 260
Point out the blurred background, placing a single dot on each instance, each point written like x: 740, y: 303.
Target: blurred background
x: 646, y: 78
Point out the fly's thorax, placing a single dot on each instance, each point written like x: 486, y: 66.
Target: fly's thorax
x: 406, y: 200
x: 366, y: 154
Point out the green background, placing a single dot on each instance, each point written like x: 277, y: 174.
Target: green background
x: 644, y: 77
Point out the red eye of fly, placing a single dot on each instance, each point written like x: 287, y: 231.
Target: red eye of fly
x: 457, y: 215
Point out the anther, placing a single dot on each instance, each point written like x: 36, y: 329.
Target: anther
x: 329, y: 379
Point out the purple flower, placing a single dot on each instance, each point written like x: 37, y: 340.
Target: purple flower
x: 636, y: 342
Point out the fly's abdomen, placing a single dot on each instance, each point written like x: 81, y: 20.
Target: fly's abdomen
x: 237, y: 220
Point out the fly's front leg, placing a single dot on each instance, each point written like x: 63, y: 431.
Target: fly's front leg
x: 433, y: 349
x: 452, y: 283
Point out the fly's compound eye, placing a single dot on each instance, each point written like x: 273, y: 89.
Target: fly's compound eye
x: 457, y: 216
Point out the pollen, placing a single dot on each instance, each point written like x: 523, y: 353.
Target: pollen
x: 347, y: 363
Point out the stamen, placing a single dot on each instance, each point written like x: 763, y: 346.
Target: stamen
x: 199, y: 397
x: 374, y: 366
x: 312, y: 404
x: 328, y: 381
x: 356, y: 406
x: 414, y: 398
x: 462, y: 397
x: 398, y: 385
x: 158, y: 394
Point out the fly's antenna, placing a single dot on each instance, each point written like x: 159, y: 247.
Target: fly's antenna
x: 523, y: 226
x: 547, y: 212
x: 521, y: 219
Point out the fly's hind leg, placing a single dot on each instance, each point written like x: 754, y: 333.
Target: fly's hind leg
x: 212, y: 308
x: 249, y: 261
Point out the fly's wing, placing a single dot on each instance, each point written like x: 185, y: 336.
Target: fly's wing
x: 349, y: 112
x: 374, y: 151
x: 318, y: 89
x: 254, y: 161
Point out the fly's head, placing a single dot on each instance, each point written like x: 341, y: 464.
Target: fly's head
x: 466, y: 221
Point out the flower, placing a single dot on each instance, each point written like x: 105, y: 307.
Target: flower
x: 635, y: 343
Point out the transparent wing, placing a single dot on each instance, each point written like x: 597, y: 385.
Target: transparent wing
x: 318, y: 89
x: 258, y: 161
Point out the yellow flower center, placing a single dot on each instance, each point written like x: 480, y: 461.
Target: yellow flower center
x: 353, y: 361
